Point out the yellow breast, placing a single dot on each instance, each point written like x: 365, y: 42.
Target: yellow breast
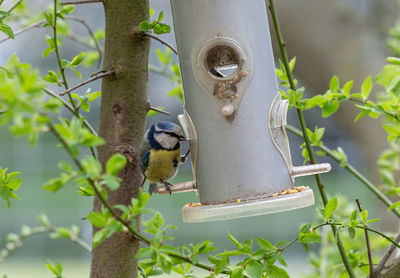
x: 163, y: 165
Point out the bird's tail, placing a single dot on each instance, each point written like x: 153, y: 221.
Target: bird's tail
x: 152, y: 188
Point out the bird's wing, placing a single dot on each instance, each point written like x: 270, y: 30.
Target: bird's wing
x: 144, y: 160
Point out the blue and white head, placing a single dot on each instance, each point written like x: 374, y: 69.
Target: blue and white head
x: 164, y: 135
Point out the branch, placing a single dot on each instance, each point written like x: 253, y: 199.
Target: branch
x: 71, y: 109
x: 387, y: 255
x: 282, y: 48
x: 351, y: 170
x: 360, y: 227
x: 91, y: 34
x: 365, y: 102
x: 20, y: 31
x: 81, y: 2
x: 94, y: 78
x: 32, y: 231
x: 62, y: 70
x: 160, y: 111
x: 161, y: 41
x: 371, y: 264
x: 12, y: 8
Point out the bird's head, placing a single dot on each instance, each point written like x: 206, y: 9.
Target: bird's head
x: 165, y: 135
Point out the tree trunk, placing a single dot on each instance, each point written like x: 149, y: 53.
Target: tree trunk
x: 124, y: 106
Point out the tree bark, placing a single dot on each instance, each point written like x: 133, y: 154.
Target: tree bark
x: 123, y: 111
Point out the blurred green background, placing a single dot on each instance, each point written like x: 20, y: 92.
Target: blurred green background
x: 65, y: 208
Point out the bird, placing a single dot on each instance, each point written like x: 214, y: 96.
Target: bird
x: 160, y: 154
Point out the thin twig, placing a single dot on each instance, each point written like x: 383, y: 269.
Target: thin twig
x: 351, y: 170
x: 94, y: 78
x: 368, y: 102
x: 160, y: 111
x: 81, y: 2
x: 282, y: 48
x: 360, y: 227
x: 160, y: 71
x: 62, y: 69
x: 97, y: 72
x: 12, y: 8
x: 71, y: 109
x: 371, y: 264
x: 91, y: 34
x: 147, y: 34
x: 387, y: 255
x: 20, y: 31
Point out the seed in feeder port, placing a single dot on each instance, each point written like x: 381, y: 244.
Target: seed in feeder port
x: 236, y: 95
x: 227, y: 110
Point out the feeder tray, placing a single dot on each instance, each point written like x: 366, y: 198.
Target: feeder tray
x: 242, y: 209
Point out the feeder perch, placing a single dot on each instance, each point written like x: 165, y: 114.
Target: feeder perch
x: 234, y: 116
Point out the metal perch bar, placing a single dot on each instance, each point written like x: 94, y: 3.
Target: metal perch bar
x: 306, y: 170
x: 178, y: 188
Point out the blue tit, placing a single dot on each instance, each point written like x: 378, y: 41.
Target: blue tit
x: 160, y: 154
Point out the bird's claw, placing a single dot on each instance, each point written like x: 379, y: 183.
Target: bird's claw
x: 168, y: 186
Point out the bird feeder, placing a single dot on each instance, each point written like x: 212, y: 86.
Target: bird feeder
x: 234, y: 116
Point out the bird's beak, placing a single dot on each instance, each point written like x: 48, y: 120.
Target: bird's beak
x: 182, y: 138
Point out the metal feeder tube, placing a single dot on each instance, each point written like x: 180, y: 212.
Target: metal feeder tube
x: 234, y: 116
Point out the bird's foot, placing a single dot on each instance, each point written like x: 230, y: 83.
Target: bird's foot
x: 167, y: 186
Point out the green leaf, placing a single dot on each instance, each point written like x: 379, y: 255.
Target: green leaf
x: 6, y: 30
x: 364, y: 215
x: 254, y: 269
x: 54, y: 185
x: 143, y: 198
x: 51, y: 77
x: 161, y: 28
x: 115, y: 164
x: 237, y: 272
x: 387, y: 177
x: 94, y: 95
x: 393, y: 60
x: 78, y: 59
x: 97, y: 219
x: 144, y: 26
x: 292, y: 63
x: 366, y: 87
x: 235, y: 241
x: 68, y: 9
x: 341, y: 156
x: 305, y: 228
x: 329, y: 108
x: 56, y: 269
x: 330, y: 207
x: 161, y: 16
x: 334, y: 84
x: 309, y: 238
x: 347, y: 88
x: 387, y: 74
x: 265, y: 244
x: 112, y: 182
x: 394, y: 205
x: 276, y: 272
x: 352, y: 232
x: 99, y: 236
